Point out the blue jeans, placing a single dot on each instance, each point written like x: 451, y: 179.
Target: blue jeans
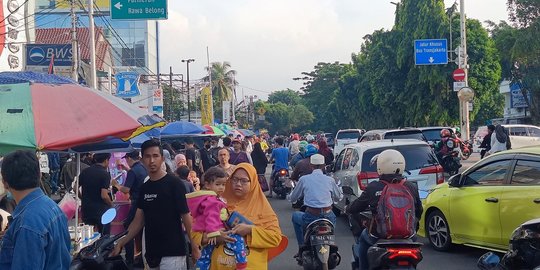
x: 55, y: 175
x: 300, y: 221
x: 238, y: 248
x: 360, y: 248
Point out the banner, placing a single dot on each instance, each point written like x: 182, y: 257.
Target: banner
x: 41, y: 54
x: 13, y: 28
x: 127, y: 84
x: 517, y: 100
x: 206, y: 106
x: 226, y: 112
x: 157, y: 102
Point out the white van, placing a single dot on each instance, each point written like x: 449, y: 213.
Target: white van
x: 345, y: 137
x: 523, y: 135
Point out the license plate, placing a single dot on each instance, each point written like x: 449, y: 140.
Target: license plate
x: 323, y: 239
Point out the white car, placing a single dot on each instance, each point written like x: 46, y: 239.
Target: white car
x: 345, y: 137
x: 523, y: 135
x: 353, y: 169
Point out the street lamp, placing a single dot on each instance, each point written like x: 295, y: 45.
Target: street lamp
x: 187, y: 61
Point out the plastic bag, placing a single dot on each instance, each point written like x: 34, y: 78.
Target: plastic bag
x: 68, y: 204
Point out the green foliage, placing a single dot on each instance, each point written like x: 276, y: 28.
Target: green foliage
x: 173, y: 106
x: 288, y: 97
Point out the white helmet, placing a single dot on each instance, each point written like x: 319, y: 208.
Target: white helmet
x: 390, y: 162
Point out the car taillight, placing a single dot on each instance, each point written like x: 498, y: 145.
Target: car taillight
x: 283, y: 172
x: 437, y: 170
x: 363, y: 178
x: 404, y: 253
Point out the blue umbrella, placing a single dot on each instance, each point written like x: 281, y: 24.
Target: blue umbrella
x: 112, y: 145
x: 182, y: 128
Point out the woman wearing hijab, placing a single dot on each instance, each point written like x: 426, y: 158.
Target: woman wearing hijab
x: 260, y: 162
x: 263, y: 238
x: 499, y: 140
x: 326, y: 152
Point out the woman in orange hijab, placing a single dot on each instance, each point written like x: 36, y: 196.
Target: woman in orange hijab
x: 263, y: 239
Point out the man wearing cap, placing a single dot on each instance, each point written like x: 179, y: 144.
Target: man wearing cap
x: 134, y: 180
x: 320, y: 192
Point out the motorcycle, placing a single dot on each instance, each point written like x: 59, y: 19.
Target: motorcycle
x: 465, y: 148
x: 96, y: 255
x: 523, y: 250
x: 388, y: 253
x: 320, y: 250
x: 280, y: 183
x: 451, y: 161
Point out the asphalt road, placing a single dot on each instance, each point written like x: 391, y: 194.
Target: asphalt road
x: 460, y: 257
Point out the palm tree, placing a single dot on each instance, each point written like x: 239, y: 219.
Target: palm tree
x: 223, y: 81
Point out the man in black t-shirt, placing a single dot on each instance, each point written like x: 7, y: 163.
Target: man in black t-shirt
x: 162, y: 210
x: 94, y: 182
x: 193, y: 157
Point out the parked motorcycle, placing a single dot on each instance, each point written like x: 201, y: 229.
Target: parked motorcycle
x: 451, y: 161
x: 96, y: 255
x: 320, y: 251
x: 387, y: 253
x: 523, y: 250
x: 280, y: 183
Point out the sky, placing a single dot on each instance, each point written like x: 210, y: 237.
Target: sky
x: 270, y: 42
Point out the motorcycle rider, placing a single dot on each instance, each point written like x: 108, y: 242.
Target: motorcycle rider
x: 390, y: 166
x: 280, y: 158
x: 320, y: 192
x: 441, y: 149
x: 303, y: 167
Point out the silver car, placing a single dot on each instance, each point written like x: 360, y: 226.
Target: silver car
x: 353, y: 170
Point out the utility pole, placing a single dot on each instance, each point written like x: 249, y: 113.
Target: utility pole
x: 187, y: 61
x: 93, y: 73
x: 171, y: 89
x: 464, y: 105
x: 74, y: 50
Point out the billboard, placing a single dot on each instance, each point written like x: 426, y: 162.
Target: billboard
x: 226, y: 111
x: 127, y: 84
x: 157, y: 102
x: 14, y: 32
x: 41, y: 54
x: 65, y: 5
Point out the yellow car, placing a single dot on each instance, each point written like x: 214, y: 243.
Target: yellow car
x: 482, y: 206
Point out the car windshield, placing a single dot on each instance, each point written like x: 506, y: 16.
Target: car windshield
x: 432, y: 134
x: 348, y: 135
x: 404, y: 134
x: 416, y: 157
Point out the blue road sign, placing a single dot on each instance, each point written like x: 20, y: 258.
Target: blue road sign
x: 127, y: 84
x: 430, y: 52
x: 41, y: 54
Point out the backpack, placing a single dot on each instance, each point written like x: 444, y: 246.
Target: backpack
x: 395, y: 218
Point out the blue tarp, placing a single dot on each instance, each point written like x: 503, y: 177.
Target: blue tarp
x: 113, y: 145
x: 9, y: 77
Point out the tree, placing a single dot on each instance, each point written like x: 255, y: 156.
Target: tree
x: 288, y: 97
x: 223, y: 84
x: 173, y: 106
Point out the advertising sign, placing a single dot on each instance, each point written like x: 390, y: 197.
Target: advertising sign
x: 157, y: 102
x: 41, y: 54
x: 13, y: 29
x: 206, y: 106
x: 127, y: 84
x: 226, y: 111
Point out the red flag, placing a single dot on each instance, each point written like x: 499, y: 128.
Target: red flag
x: 51, y: 65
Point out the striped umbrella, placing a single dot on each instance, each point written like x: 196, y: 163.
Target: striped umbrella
x: 213, y: 130
x: 48, y: 112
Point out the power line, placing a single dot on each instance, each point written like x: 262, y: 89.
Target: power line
x: 262, y: 91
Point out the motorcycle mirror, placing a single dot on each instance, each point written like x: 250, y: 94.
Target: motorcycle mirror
x: 108, y: 216
x: 373, y: 160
